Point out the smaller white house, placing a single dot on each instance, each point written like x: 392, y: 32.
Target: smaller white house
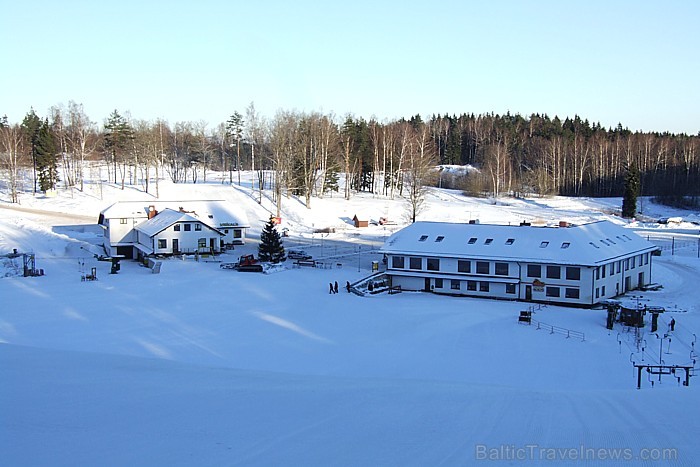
x: 120, y: 221
x: 175, y: 232
x: 577, y: 265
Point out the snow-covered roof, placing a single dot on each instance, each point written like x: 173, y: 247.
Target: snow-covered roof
x: 587, y: 244
x: 165, y: 219
x: 215, y: 213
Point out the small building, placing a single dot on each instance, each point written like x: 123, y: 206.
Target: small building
x: 119, y: 222
x: 173, y: 232
x: 576, y: 265
x: 359, y: 223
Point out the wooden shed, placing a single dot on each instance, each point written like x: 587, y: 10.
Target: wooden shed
x: 359, y: 223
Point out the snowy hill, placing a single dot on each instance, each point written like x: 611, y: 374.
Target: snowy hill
x: 203, y: 366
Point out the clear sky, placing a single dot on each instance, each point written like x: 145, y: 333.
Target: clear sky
x: 636, y: 62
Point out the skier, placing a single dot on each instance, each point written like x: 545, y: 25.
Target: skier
x: 335, y: 287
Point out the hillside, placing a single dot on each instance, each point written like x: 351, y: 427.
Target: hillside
x: 203, y: 366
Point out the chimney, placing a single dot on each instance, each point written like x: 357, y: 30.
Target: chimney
x: 152, y: 212
x: 563, y: 224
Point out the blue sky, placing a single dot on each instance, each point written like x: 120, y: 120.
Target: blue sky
x: 634, y: 62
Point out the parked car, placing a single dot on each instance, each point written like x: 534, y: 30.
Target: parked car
x: 298, y: 255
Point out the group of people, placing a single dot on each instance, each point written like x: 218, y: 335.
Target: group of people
x: 333, y: 287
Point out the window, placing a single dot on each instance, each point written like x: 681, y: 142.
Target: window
x: 176, y: 227
x: 226, y: 231
x: 570, y: 292
x: 122, y: 220
x: 237, y: 233
x: 438, y: 283
x: 552, y: 291
x: 597, y: 273
x: 634, y: 261
x: 162, y: 243
x: 553, y: 272
x: 573, y: 274
x: 602, y: 271
x: 472, y: 241
x: 627, y: 265
x: 415, y: 263
x: 433, y: 264
x: 483, y: 286
x: 471, y: 285
x: 454, y: 284
x: 612, y: 268
x: 501, y: 269
x: 423, y: 238
x: 201, y: 243
x: 602, y: 291
x: 619, y: 266
x: 565, y: 245
x: 482, y: 267
x: 534, y: 270
x: 544, y: 244
x: 597, y: 292
x: 510, y: 288
x: 188, y: 227
x: 646, y: 258
x: 464, y: 266
x: 488, y: 241
x: 198, y: 227
x: 397, y: 262
x: 510, y: 241
x: 439, y: 238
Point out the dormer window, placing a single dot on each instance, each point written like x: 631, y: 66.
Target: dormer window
x: 472, y: 241
x: 565, y: 245
x: 488, y: 241
x: 440, y: 238
x: 544, y: 244
x: 423, y: 238
x: 510, y: 241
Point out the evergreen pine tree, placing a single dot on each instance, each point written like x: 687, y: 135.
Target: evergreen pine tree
x: 30, y: 126
x: 629, y: 200
x: 46, y: 158
x: 331, y: 179
x: 270, y: 248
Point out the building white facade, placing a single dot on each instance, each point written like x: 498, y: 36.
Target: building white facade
x: 121, y: 220
x: 175, y: 232
x: 577, y: 265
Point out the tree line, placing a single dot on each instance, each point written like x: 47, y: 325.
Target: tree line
x: 303, y: 154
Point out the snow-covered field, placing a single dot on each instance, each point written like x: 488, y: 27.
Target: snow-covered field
x: 203, y: 366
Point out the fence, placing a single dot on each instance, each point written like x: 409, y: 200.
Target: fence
x: 557, y: 330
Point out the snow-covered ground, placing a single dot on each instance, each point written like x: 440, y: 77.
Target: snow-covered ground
x: 203, y: 366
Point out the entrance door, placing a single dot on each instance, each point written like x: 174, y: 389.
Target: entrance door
x: 212, y: 244
x: 628, y: 284
x: 176, y: 246
x: 426, y: 288
x: 641, y: 283
x: 528, y: 293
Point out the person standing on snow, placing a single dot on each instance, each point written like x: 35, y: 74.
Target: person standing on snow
x: 335, y: 287
x: 330, y: 287
x: 672, y: 325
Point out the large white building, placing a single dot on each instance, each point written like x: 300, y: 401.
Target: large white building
x: 578, y: 265
x: 134, y: 229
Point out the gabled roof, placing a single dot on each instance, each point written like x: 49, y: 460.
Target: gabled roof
x: 165, y: 219
x: 215, y: 213
x: 588, y: 244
